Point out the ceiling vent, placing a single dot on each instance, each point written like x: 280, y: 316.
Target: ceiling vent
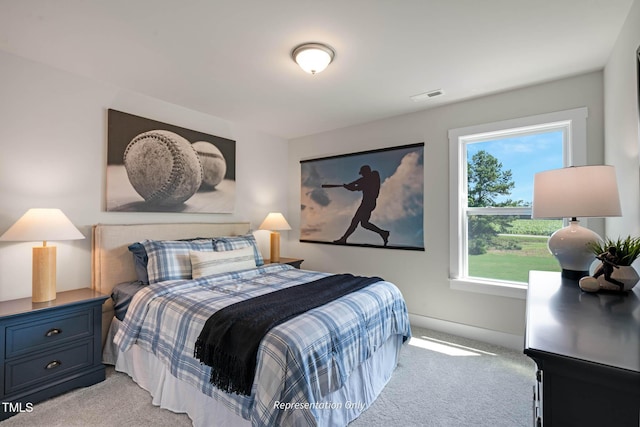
x: 427, y: 95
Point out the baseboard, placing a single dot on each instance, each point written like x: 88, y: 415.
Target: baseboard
x: 514, y: 342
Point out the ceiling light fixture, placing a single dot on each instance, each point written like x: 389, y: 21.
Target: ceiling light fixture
x: 313, y: 57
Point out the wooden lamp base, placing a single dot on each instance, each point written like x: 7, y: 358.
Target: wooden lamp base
x: 44, y: 274
x: 275, y: 247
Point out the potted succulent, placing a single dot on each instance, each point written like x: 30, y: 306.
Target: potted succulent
x: 615, y: 271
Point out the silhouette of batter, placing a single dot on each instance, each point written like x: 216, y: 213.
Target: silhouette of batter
x: 369, y: 184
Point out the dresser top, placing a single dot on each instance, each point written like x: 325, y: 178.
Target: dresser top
x: 66, y: 298
x: 596, y: 327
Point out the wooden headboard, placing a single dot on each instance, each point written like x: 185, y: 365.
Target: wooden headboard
x: 112, y: 263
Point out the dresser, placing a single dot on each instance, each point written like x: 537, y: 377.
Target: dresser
x: 587, y: 351
x: 49, y: 348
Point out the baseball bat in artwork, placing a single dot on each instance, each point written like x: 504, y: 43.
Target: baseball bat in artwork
x: 331, y: 185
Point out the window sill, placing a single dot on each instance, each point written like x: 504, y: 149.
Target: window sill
x: 503, y: 289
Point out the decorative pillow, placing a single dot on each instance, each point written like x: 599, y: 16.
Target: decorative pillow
x: 237, y: 242
x: 169, y: 259
x: 140, y: 260
x: 207, y: 263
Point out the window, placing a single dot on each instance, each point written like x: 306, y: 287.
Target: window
x: 494, y: 241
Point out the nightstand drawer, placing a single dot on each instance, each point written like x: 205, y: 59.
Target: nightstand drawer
x: 29, y: 336
x: 37, y: 370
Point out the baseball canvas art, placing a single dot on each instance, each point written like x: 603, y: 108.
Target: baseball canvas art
x: 371, y: 198
x: 157, y: 167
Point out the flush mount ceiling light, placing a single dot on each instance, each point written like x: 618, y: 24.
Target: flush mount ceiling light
x: 313, y: 57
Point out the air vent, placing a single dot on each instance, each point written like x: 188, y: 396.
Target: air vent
x: 427, y: 95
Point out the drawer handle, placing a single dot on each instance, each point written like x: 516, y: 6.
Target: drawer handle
x: 52, y: 332
x: 53, y: 364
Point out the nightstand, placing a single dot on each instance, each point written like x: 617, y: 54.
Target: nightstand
x: 294, y: 262
x: 49, y: 348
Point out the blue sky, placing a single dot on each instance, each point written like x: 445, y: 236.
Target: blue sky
x: 525, y: 156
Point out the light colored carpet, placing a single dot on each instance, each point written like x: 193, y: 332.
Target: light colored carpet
x: 490, y: 386
x: 487, y: 386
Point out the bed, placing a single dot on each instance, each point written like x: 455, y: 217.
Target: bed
x: 323, y: 367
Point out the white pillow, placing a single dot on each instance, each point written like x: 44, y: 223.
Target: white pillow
x: 207, y: 263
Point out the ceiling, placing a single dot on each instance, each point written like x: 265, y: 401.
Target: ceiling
x: 231, y: 59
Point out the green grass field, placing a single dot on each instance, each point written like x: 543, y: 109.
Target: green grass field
x: 514, y: 265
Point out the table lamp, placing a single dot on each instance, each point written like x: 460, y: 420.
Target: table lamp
x: 43, y: 224
x: 275, y: 222
x: 577, y: 191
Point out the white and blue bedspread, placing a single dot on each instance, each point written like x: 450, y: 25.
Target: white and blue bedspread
x: 299, y: 361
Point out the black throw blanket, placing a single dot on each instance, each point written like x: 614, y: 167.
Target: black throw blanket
x: 230, y: 338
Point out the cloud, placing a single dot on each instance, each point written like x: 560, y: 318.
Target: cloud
x: 401, y: 194
x: 312, y: 180
x: 320, y: 196
x: 311, y: 177
x: 326, y: 220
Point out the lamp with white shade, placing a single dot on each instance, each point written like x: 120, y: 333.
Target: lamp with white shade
x: 572, y: 192
x: 275, y: 222
x: 43, y: 225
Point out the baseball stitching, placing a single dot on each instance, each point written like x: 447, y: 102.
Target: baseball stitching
x: 177, y: 168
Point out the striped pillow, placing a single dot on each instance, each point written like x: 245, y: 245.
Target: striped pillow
x: 236, y: 242
x: 169, y: 259
x: 208, y: 263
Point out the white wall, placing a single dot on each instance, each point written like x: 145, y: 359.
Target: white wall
x: 423, y: 276
x: 53, y: 130
x: 622, y: 136
x: 53, y: 154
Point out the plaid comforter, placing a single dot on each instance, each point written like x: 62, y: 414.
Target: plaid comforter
x: 299, y: 361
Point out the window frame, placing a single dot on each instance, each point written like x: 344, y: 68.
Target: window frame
x: 575, y: 154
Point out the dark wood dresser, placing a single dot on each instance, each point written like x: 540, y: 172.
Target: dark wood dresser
x: 49, y: 348
x: 587, y: 350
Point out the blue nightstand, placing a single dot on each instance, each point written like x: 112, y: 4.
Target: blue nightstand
x: 49, y: 348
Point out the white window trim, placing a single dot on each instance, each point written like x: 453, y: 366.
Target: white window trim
x: 575, y: 155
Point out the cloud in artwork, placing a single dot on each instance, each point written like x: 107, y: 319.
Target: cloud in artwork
x: 401, y: 194
x: 312, y: 180
x: 320, y: 196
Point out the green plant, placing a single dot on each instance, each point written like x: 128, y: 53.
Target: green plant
x: 627, y: 250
